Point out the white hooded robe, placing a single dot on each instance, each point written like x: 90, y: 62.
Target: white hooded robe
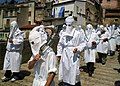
x: 90, y: 53
x: 13, y: 54
x: 69, y: 64
x: 47, y: 63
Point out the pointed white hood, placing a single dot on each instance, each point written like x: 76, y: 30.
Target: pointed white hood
x: 101, y: 27
x: 89, y: 27
x: 69, y: 24
x: 69, y: 20
x: 13, y: 28
x: 37, y: 38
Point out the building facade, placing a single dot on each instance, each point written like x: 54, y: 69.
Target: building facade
x: 23, y: 13
x: 84, y: 11
x: 111, y: 11
x: 32, y: 12
x: 26, y: 13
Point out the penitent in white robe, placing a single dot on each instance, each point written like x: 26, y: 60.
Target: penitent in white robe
x: 112, y: 38
x: 90, y: 52
x: 118, y: 36
x: 103, y: 47
x: 69, y: 63
x: 44, y: 66
x: 13, y: 54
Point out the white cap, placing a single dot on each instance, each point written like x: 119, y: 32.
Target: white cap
x: 101, y: 26
x: 89, y: 26
x: 69, y: 20
x: 13, y: 27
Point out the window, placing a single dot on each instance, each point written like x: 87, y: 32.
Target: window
x: 7, y: 25
x: 108, y: 0
x: 29, y: 14
x: 30, y: 5
x: 6, y: 13
x: 77, y: 9
x: 6, y: 35
x: 8, y: 21
x: 29, y: 22
x: 100, y: 1
x: 11, y: 12
x: 0, y: 35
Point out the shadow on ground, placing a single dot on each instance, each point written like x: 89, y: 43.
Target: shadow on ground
x: 23, y: 74
x: 84, y: 69
x: 117, y: 83
x: 118, y: 70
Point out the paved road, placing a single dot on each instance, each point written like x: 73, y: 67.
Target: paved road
x: 103, y: 76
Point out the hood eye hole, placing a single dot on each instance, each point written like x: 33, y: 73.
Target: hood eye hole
x: 69, y: 25
x: 32, y: 42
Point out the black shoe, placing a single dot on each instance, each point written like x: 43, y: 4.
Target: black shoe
x: 90, y: 74
x: 5, y: 79
x: 61, y: 84
x: 103, y: 63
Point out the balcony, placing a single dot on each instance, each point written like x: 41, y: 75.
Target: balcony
x: 112, y: 15
x: 40, y: 5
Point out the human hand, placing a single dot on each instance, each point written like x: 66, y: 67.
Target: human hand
x: 93, y: 43
x: 75, y: 50
x: 106, y: 39
x: 37, y: 57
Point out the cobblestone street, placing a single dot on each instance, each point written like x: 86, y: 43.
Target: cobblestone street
x: 104, y: 75
x: 39, y: 31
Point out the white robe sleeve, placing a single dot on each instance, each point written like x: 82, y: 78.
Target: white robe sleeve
x: 18, y: 39
x: 97, y: 39
x: 82, y: 43
x: 60, y: 47
x: 81, y: 47
x: 52, y: 63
